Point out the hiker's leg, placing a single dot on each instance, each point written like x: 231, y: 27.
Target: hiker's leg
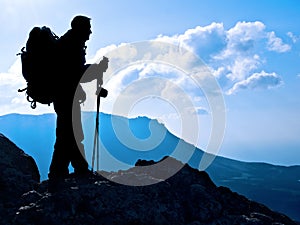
x: 61, y: 155
x: 60, y: 161
x: 78, y: 160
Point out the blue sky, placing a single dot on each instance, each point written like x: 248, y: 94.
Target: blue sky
x: 251, y: 47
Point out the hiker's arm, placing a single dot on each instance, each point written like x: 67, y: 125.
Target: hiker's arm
x: 94, y: 71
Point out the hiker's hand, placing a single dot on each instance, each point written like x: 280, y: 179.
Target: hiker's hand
x: 103, y: 92
x: 103, y: 64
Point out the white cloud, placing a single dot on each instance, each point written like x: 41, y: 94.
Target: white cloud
x: 203, y: 41
x: 218, y: 72
x: 260, y: 80
x: 276, y: 44
x: 240, y: 56
x: 242, y: 66
x: 175, y: 39
x: 293, y: 37
x: 13, y: 101
x: 245, y: 53
x: 100, y: 53
x: 158, y: 70
x: 242, y: 38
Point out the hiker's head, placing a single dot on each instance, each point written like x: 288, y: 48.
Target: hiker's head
x: 82, y: 26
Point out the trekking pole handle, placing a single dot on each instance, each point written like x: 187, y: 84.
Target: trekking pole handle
x: 103, y: 66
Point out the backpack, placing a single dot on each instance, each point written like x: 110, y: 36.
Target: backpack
x: 38, y: 60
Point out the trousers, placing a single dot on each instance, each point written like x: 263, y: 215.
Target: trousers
x: 68, y: 147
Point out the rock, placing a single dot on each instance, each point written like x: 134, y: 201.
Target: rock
x: 18, y: 174
x: 188, y: 197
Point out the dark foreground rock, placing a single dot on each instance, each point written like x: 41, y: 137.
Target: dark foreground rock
x: 188, y: 197
x: 18, y: 174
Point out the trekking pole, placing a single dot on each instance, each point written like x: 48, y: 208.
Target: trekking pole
x: 100, y: 93
x: 96, y: 149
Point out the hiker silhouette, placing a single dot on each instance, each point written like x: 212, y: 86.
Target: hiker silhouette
x: 72, y: 66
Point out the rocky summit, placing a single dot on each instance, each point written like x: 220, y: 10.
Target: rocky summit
x: 187, y: 197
